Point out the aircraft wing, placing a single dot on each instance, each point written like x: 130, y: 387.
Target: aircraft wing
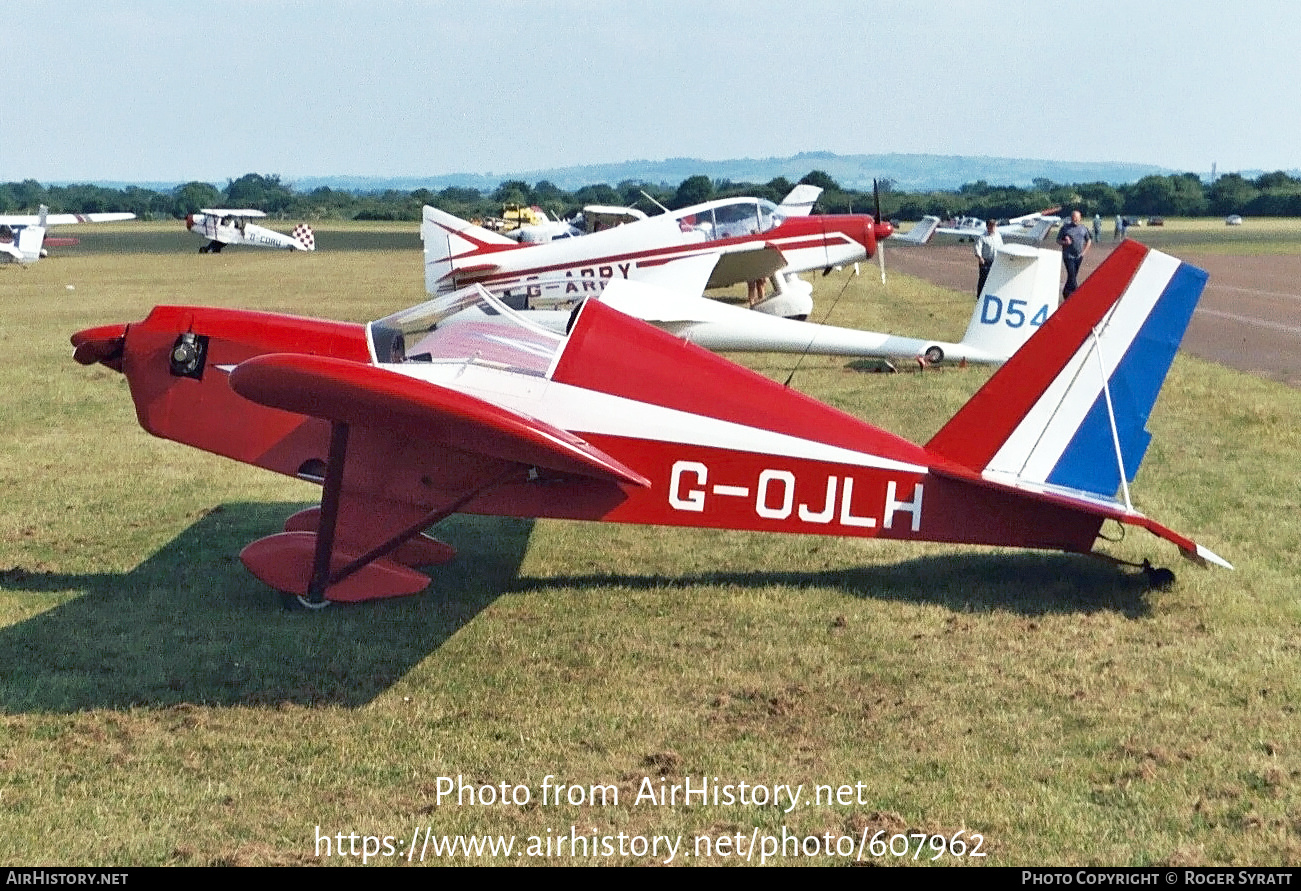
x: 721, y: 326
x: 951, y: 234
x: 68, y: 219
x: 229, y: 212
x: 373, y: 397
x: 63, y: 219
x: 751, y: 264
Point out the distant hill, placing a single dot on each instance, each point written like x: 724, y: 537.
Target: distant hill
x: 907, y: 172
x: 912, y: 173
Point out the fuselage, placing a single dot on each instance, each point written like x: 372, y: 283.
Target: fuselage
x: 672, y: 249
x: 238, y: 230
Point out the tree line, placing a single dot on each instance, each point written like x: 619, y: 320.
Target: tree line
x: 1184, y: 195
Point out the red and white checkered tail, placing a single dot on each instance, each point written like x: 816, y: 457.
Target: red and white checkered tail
x: 303, y: 235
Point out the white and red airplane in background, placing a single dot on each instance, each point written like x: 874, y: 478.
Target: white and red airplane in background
x: 711, y: 245
x: 223, y: 226
x: 598, y: 217
x: 417, y: 416
x: 23, y: 239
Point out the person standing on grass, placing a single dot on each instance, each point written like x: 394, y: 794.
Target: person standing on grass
x: 987, y: 245
x: 1075, y: 239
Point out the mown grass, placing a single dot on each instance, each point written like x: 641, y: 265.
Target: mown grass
x: 160, y: 707
x: 1256, y: 236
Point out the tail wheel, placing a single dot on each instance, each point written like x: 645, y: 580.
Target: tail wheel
x: 934, y: 355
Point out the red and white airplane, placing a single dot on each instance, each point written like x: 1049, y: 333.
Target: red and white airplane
x: 711, y: 245
x: 409, y: 419
x: 23, y: 239
x: 223, y: 226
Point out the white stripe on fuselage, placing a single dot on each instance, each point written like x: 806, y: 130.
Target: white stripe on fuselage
x: 585, y: 412
x: 834, y: 247
x: 1037, y: 443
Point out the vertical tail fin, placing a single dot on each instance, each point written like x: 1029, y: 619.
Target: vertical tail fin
x: 304, y: 235
x: 451, y: 247
x: 920, y: 233
x: 800, y: 201
x: 1019, y: 296
x: 30, y: 240
x: 1069, y: 408
x: 1040, y: 230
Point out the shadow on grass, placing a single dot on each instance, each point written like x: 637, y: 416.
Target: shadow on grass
x: 189, y: 624
x: 1028, y: 584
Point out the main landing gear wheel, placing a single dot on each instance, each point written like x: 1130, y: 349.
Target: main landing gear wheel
x: 934, y: 356
x: 296, y: 603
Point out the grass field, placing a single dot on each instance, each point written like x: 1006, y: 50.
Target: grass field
x: 1255, y: 236
x: 160, y: 708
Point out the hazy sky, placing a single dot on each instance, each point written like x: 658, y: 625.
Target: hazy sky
x: 160, y: 90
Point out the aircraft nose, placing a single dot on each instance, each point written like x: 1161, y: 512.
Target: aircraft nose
x: 869, y: 237
x: 103, y: 345
x: 883, y: 229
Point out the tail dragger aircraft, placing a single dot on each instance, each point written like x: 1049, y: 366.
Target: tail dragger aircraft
x: 710, y: 245
x: 414, y: 417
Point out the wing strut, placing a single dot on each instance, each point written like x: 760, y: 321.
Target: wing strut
x: 329, y: 513
x: 322, y: 577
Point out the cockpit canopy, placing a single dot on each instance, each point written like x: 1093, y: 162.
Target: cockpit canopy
x: 732, y: 218
x: 465, y: 326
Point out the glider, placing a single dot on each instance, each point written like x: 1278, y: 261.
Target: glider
x: 1020, y: 294
x: 417, y: 416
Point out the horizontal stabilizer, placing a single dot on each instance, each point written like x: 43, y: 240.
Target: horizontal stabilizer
x: 471, y: 271
x: 383, y: 399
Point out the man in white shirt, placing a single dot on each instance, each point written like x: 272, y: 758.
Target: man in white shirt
x: 987, y: 246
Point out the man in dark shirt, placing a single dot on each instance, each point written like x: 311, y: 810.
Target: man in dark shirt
x: 1075, y: 239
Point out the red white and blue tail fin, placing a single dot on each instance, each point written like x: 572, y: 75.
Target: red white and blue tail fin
x: 1069, y: 410
x: 1081, y: 390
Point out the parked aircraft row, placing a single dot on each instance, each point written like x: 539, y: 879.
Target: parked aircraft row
x: 657, y: 275
x: 683, y: 253
x: 1032, y: 228
x: 23, y: 239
